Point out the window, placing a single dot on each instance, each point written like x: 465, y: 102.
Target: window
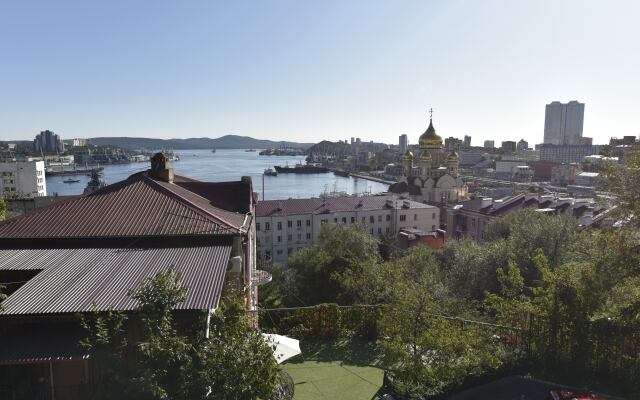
x: 279, y: 252
x: 363, y: 220
x: 344, y: 220
x: 433, y: 215
x: 353, y: 220
x: 299, y: 223
x: 267, y: 254
x: 379, y: 231
x: 403, y: 217
x: 308, y: 222
x: 299, y: 237
x: 387, y: 230
x: 266, y: 226
x: 308, y: 236
x: 289, y: 237
x: 289, y: 224
x: 372, y: 219
x: 379, y: 218
x: 279, y: 239
x: 258, y: 226
x: 372, y: 231
x: 388, y: 217
x: 279, y: 226
x: 335, y: 220
x: 415, y: 217
x: 473, y: 222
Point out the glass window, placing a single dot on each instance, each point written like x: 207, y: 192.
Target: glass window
x: 299, y: 223
x: 415, y: 217
x: 258, y: 226
x: 289, y: 237
x: 279, y: 226
x: 308, y: 222
x: 353, y: 220
x: 308, y: 236
x: 379, y: 218
x: 279, y: 239
x: 433, y: 215
x: 388, y: 217
x: 289, y: 224
x: 403, y: 217
x: 344, y: 220
x: 267, y: 226
x: 372, y: 220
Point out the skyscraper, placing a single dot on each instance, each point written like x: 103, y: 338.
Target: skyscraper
x: 489, y: 144
x: 48, y: 142
x: 403, y: 143
x: 467, y: 141
x: 563, y: 123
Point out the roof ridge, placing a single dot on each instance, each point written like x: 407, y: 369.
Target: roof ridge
x: 193, y: 206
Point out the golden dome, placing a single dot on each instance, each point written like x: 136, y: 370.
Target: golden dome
x: 408, y: 155
x: 453, y: 156
x: 429, y: 137
x: 425, y: 156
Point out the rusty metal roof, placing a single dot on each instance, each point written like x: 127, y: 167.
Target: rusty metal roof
x: 95, y: 279
x: 137, y: 206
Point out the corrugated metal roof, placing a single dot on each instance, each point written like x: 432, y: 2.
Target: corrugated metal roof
x: 137, y: 206
x: 332, y: 204
x: 72, y: 280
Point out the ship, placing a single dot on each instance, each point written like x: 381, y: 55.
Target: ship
x: 340, y: 172
x: 301, y: 169
x: 70, y: 180
x: 270, y: 172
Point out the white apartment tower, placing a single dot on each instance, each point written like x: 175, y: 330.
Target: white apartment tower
x: 403, y: 143
x: 563, y: 123
x: 23, y: 179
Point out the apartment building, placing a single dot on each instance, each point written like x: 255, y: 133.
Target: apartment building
x: 286, y: 226
x: 22, y: 179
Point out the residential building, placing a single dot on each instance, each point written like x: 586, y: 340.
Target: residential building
x: 23, y: 179
x: 508, y: 146
x: 48, y: 142
x: 471, y: 157
x: 563, y: 123
x: 80, y: 142
x: 436, y: 179
x: 489, y: 144
x: 564, y: 174
x: 452, y: 144
x: 410, y: 237
x: 568, y: 153
x: 84, y: 254
x: 403, y: 143
x: 286, y: 226
x: 467, y: 141
x: 522, y: 145
x: 470, y: 219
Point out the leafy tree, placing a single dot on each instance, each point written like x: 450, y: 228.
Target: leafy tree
x: 333, y: 269
x: 3, y: 209
x: 623, y: 182
x: 165, y: 361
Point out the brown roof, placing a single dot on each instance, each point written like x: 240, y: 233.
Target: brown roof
x: 86, y: 279
x: 140, y: 206
x: 332, y: 204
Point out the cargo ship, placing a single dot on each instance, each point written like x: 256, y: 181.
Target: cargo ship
x: 301, y: 169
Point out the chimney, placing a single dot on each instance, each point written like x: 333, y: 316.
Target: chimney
x: 161, y: 168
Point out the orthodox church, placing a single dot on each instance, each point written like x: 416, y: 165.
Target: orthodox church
x: 433, y: 176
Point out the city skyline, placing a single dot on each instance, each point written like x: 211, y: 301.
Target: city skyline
x: 308, y: 72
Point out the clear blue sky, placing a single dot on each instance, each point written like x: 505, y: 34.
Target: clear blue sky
x: 306, y: 71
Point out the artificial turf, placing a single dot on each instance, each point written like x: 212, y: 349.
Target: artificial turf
x: 335, y: 370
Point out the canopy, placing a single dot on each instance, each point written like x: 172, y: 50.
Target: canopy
x: 285, y: 347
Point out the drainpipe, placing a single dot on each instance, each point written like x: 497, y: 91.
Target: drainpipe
x: 53, y: 392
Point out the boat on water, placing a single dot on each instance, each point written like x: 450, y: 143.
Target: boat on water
x: 301, y: 169
x: 250, y: 150
x: 213, y: 150
x: 270, y: 172
x: 70, y: 180
x: 340, y: 172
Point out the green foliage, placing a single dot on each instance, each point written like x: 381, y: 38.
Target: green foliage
x: 3, y: 209
x: 161, y: 361
x: 334, y: 269
x: 623, y: 182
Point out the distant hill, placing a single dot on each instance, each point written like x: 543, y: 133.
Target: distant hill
x: 224, y: 142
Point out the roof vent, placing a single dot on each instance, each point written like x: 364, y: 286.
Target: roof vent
x: 161, y: 168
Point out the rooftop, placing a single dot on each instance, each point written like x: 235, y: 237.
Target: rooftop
x: 272, y: 208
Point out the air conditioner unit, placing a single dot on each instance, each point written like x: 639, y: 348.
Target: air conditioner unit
x: 235, y: 265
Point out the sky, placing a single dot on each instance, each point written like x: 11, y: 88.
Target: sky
x: 312, y: 70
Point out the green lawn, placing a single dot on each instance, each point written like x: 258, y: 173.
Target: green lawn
x: 337, y: 370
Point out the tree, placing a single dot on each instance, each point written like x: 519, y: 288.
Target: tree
x: 3, y: 209
x: 333, y: 270
x: 171, y: 362
x: 623, y: 182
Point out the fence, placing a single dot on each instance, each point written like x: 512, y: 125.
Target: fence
x: 595, y: 353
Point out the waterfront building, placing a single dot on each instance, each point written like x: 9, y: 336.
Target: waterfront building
x: 563, y: 123
x: 83, y: 255
x: 48, y: 142
x: 80, y: 142
x: 286, y: 226
x: 489, y: 144
x: 470, y: 219
x: 436, y: 179
x: 568, y: 153
x: 22, y: 179
x: 403, y: 143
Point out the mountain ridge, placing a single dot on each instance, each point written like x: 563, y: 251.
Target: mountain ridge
x: 223, y: 142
